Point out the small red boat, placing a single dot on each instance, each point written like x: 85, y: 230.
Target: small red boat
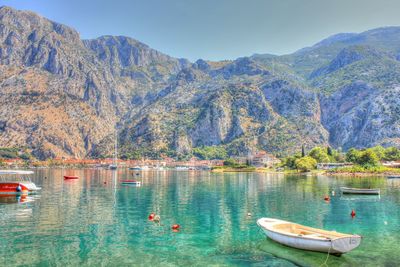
x: 70, y: 177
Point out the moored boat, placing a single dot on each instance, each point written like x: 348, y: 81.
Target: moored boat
x: 20, y: 184
x: 308, y: 238
x: 182, y: 168
x: 393, y: 176
x: 131, y: 182
x: 135, y: 168
x: 139, y: 168
x: 361, y: 191
x: 71, y: 177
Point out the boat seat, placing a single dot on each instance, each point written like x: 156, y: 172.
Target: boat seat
x: 317, y: 235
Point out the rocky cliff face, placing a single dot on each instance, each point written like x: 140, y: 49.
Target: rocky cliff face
x: 63, y: 96
x: 373, y: 120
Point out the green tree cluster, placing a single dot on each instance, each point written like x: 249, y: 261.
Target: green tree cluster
x: 306, y: 163
x: 365, y: 158
x: 372, y: 156
x: 234, y: 164
x: 320, y: 154
x: 210, y: 152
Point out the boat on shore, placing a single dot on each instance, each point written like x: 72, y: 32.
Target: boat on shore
x: 70, y: 177
x: 18, y: 184
x: 361, y: 191
x: 308, y: 238
x: 131, y: 182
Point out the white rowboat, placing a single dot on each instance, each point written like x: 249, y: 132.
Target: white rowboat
x: 363, y: 191
x: 308, y: 238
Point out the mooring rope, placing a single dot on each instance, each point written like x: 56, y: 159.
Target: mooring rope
x: 327, y: 257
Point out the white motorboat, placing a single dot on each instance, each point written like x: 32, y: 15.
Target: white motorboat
x: 308, y: 238
x: 363, y: 191
x: 131, y: 182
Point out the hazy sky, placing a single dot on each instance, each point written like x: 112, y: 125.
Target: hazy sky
x: 218, y: 29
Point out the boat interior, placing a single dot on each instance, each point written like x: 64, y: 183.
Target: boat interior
x: 305, y: 231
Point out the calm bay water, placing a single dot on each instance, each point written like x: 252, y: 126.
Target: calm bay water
x: 96, y: 221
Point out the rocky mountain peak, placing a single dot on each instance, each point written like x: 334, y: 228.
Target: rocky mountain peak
x: 61, y: 96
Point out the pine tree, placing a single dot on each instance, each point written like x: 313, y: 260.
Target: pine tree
x: 329, y: 151
x: 303, y: 153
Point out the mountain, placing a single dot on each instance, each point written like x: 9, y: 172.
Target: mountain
x: 63, y: 97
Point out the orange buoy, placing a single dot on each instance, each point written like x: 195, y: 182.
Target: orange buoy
x: 353, y: 213
x: 151, y: 216
x: 176, y: 227
x: 327, y: 198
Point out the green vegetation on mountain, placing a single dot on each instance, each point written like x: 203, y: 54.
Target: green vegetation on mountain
x: 210, y: 152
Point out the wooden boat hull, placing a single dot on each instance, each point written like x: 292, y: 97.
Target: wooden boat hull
x: 312, y: 242
x: 360, y: 191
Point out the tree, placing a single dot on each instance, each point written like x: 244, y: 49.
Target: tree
x: 329, y: 151
x: 353, y: 155
x: 368, y: 158
x: 392, y: 153
x: 210, y: 152
x: 379, y: 151
x: 289, y: 162
x: 303, y: 152
x: 319, y: 154
x: 306, y: 163
x: 230, y: 162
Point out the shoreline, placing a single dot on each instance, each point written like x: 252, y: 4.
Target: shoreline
x: 312, y: 173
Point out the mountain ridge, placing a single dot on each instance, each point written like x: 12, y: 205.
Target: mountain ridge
x: 64, y: 97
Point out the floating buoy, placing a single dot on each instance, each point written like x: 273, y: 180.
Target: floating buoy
x: 249, y: 214
x: 333, y: 193
x: 327, y: 198
x: 175, y: 227
x: 353, y: 213
x: 157, y: 218
x: 151, y: 216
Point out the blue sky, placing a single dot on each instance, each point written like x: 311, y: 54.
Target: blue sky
x: 218, y: 29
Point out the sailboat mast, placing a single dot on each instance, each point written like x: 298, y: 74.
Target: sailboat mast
x: 115, y: 148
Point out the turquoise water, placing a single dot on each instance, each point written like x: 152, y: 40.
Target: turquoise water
x: 96, y: 221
